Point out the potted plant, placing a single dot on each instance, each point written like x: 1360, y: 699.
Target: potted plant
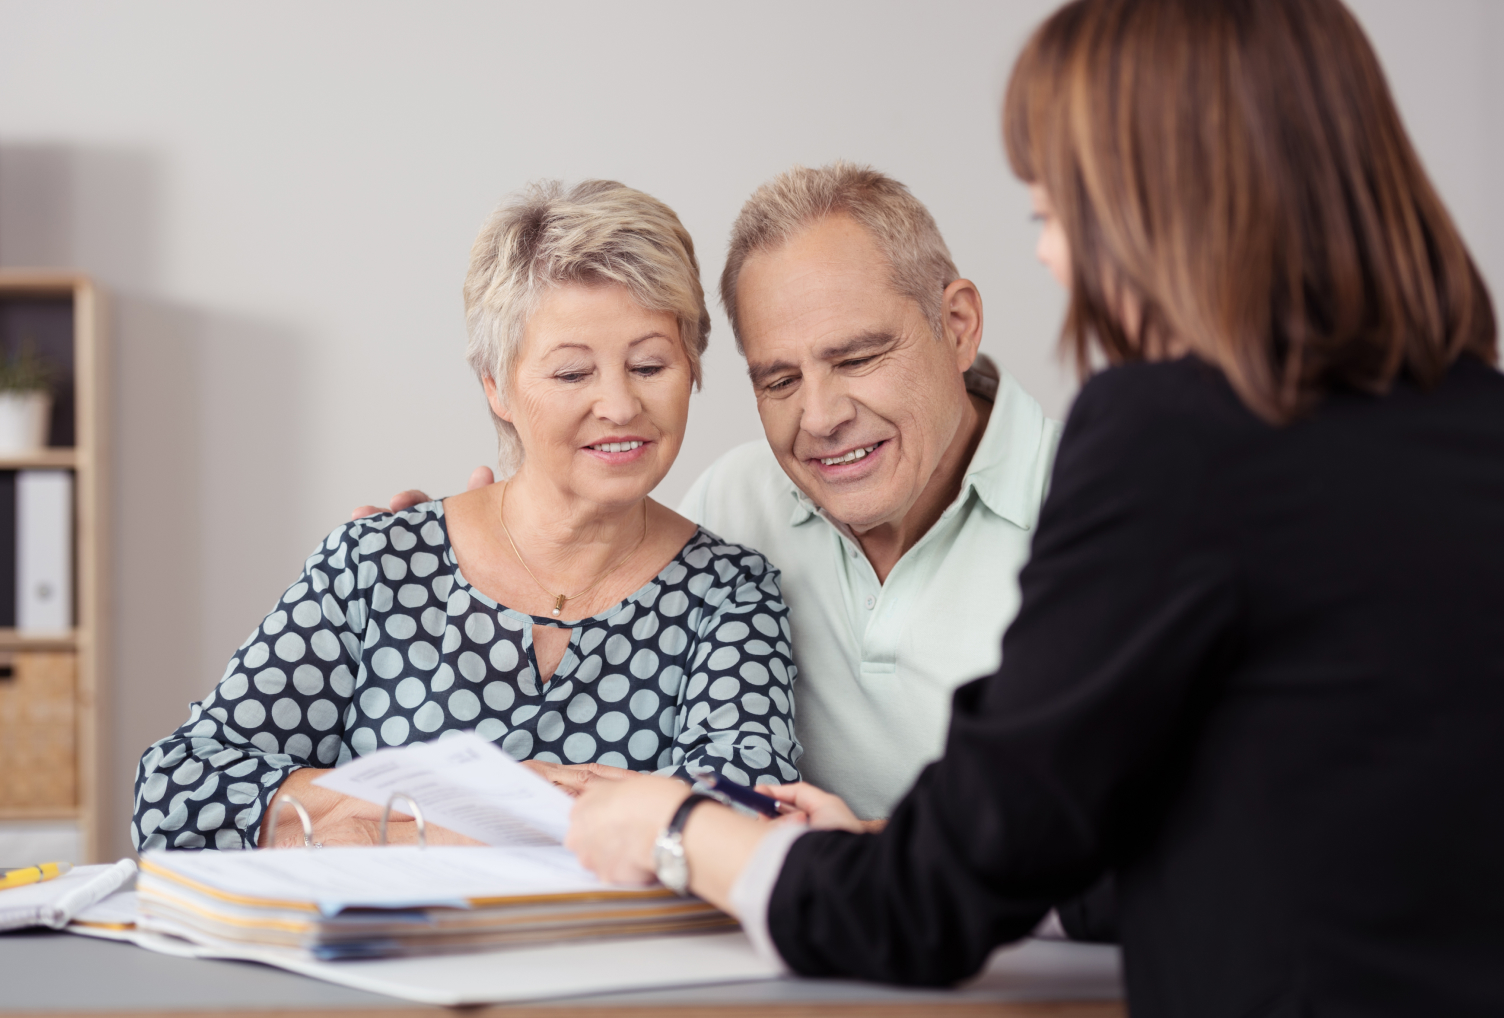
x: 25, y: 401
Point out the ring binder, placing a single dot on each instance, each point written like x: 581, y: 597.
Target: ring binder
x: 468, y: 785
x: 400, y: 901
x: 288, y: 799
x: 417, y: 817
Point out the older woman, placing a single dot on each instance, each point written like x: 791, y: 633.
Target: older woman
x: 562, y: 614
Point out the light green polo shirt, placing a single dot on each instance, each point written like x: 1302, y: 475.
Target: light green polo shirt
x: 878, y: 661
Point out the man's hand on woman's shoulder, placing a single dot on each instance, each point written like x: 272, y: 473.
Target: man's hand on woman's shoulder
x: 480, y: 478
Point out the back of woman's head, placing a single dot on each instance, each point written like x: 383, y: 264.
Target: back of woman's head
x: 1236, y: 171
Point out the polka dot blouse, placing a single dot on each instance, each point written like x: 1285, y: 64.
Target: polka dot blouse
x: 382, y: 642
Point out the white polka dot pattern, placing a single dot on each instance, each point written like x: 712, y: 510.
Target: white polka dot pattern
x: 382, y: 642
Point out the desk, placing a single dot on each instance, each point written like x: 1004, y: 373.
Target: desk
x: 58, y: 975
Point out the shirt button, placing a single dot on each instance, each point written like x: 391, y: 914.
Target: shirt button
x: 870, y: 602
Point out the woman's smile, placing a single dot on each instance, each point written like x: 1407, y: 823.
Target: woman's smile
x: 618, y: 451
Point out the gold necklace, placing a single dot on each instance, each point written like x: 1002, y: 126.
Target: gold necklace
x: 559, y: 599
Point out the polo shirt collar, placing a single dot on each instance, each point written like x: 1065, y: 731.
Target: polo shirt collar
x: 803, y: 508
x: 1005, y: 468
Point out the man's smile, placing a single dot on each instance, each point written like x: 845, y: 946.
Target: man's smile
x: 849, y: 457
x: 848, y: 463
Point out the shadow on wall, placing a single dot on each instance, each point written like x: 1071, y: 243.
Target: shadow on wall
x: 205, y: 411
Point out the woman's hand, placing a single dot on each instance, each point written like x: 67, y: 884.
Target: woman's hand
x: 575, y: 778
x: 342, y: 820
x: 613, y: 826
x: 821, y: 810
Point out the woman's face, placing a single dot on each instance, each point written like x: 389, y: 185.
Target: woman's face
x: 600, y: 394
x: 1055, y: 252
x: 1053, y: 249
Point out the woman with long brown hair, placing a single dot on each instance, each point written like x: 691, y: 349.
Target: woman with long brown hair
x: 1258, y: 672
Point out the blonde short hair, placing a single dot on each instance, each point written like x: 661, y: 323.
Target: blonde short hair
x: 597, y: 232
x: 920, y: 263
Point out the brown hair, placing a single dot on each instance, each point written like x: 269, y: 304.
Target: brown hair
x: 1238, y: 171
x: 919, y: 262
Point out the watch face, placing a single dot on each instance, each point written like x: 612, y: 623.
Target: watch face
x: 670, y: 864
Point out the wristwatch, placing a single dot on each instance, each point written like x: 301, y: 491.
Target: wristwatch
x: 668, y: 850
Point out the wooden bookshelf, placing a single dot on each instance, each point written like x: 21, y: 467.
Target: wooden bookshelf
x: 49, y: 458
x: 15, y: 639
x: 52, y: 684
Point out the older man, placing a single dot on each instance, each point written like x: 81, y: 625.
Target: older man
x: 900, y: 480
x: 901, y: 477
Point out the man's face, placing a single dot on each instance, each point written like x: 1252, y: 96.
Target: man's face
x: 859, y: 398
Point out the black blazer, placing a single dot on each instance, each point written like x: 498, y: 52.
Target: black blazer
x: 1259, y: 673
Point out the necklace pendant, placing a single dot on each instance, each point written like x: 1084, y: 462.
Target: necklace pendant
x: 558, y: 605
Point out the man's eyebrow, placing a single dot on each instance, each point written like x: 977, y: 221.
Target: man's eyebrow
x: 760, y: 373
x: 866, y: 342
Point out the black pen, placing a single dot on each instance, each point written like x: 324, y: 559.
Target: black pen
x: 744, y: 796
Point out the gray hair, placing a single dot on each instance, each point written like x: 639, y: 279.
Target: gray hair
x: 920, y: 264
x: 597, y: 232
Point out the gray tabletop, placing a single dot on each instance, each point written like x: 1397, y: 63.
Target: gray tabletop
x: 44, y: 972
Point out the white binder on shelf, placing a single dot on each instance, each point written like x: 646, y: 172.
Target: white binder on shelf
x: 44, y: 550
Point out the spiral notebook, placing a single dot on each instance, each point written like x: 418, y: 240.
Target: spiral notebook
x: 54, y: 903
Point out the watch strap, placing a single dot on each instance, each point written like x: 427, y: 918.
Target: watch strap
x: 676, y: 823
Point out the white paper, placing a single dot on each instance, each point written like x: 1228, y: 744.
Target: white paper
x: 513, y: 973
x: 118, y: 909
x: 1031, y: 970
x: 464, y: 783
x: 54, y: 902
x: 399, y: 876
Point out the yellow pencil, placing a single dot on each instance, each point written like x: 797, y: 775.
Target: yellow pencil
x: 33, y: 874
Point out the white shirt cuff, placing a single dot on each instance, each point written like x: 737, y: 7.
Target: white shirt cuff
x: 753, y: 888
x: 1050, y: 928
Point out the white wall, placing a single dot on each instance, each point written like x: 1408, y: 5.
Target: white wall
x: 280, y: 198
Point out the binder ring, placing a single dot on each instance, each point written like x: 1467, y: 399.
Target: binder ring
x: 417, y: 817
x: 288, y: 799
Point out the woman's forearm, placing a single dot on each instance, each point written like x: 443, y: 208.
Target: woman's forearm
x: 717, y: 845
x: 319, y: 802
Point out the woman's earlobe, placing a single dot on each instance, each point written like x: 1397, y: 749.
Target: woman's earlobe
x: 493, y: 399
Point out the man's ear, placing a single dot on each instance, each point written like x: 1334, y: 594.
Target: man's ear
x: 493, y: 397
x: 961, y: 315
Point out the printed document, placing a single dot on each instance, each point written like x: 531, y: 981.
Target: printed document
x: 464, y: 783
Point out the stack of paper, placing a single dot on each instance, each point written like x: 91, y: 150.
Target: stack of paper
x: 341, y: 903
x: 375, y: 902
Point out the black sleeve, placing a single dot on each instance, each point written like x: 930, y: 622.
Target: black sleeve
x: 1129, y: 604
x: 1092, y: 917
